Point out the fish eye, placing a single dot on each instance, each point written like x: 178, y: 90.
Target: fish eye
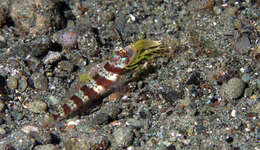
x: 122, y: 53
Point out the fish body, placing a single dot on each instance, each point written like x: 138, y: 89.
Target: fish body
x: 93, y: 86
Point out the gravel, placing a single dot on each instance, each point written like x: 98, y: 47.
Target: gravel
x: 204, y: 94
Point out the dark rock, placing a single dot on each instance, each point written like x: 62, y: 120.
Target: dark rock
x: 229, y: 139
x: 194, y: 79
x: 171, y: 147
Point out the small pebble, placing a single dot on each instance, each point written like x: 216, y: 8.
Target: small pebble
x: 28, y: 129
x: 258, y: 29
x: 101, y: 118
x: 233, y: 113
x: 231, y: 11
x: 233, y: 89
x: 243, y: 43
x: 53, y: 100
x: 246, y: 77
x: 256, y: 108
x: 2, y: 118
x: 229, y: 139
x: 40, y: 81
x: 32, y: 62
x: 112, y: 110
x: 22, y: 84
x: 137, y: 123
x: 36, y: 106
x: 2, y: 44
x: 2, y: 81
x: 68, y: 39
x: 131, y: 148
x: 2, y: 38
x: 87, y: 142
x: 2, y: 105
x: 45, y: 147
x: 114, y: 96
x: 12, y: 83
x: 217, y: 10
x: 248, y: 92
x: 51, y: 57
x: 40, y: 47
x: 4, y: 12
x: 194, y: 79
x: 171, y: 147
x: 2, y: 131
x: 140, y: 84
x: 123, y: 136
x: 66, y: 66
x: 18, y: 116
x: 258, y: 134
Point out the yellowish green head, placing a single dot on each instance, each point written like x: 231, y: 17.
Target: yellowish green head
x: 145, y: 50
